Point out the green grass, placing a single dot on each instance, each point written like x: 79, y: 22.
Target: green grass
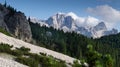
x: 4, y: 32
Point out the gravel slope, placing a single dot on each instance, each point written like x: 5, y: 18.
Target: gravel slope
x: 10, y: 63
x: 7, y: 56
x: 34, y: 49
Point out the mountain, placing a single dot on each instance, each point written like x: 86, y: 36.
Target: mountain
x: 15, y: 22
x: 69, y: 22
x: 71, y: 44
x: 41, y: 22
x: 62, y: 21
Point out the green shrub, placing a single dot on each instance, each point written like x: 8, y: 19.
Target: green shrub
x: 44, y: 54
x: 4, y: 32
x: 27, y: 61
x: 24, y: 50
x: 47, y: 61
x: 5, y: 48
x: 17, y: 53
x: 76, y: 64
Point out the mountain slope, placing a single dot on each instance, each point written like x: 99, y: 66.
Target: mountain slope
x: 69, y: 43
x: 34, y: 49
x: 10, y: 63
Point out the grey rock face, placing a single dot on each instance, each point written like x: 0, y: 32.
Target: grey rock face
x: 68, y: 21
x: 19, y: 26
x: 113, y: 31
x: 56, y: 21
x: 3, y: 12
x: 15, y: 23
x: 100, y: 26
x: 84, y: 31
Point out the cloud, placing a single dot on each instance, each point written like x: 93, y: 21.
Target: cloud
x: 87, y: 21
x: 108, y: 14
x: 91, y: 21
x: 83, y: 21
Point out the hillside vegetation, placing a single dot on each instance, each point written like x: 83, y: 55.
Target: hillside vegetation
x: 72, y: 44
x: 31, y: 59
x: 110, y: 44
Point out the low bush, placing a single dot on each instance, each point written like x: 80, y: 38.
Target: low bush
x: 4, y: 32
x: 27, y: 61
x: 5, y: 48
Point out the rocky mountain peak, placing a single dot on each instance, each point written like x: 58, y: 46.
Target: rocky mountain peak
x: 71, y: 22
x: 100, y: 26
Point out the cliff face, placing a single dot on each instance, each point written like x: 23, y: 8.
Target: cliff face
x: 15, y: 23
x: 3, y: 12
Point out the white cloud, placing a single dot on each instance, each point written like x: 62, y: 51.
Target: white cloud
x: 87, y: 21
x: 91, y: 21
x: 79, y: 21
x: 110, y: 15
x: 73, y: 15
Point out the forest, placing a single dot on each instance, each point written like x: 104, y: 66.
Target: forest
x: 75, y: 45
x: 100, y: 52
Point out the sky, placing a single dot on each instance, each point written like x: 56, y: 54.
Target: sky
x: 106, y: 10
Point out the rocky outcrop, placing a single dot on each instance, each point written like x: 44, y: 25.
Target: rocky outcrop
x: 3, y: 12
x: 19, y: 26
x: 15, y: 23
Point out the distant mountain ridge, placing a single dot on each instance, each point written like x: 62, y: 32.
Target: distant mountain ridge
x: 69, y: 22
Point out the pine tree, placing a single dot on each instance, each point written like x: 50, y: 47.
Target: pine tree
x: 5, y: 4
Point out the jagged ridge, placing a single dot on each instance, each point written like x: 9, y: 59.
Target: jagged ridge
x: 71, y: 22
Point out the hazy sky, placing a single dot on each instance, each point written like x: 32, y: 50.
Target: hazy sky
x: 107, y: 10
